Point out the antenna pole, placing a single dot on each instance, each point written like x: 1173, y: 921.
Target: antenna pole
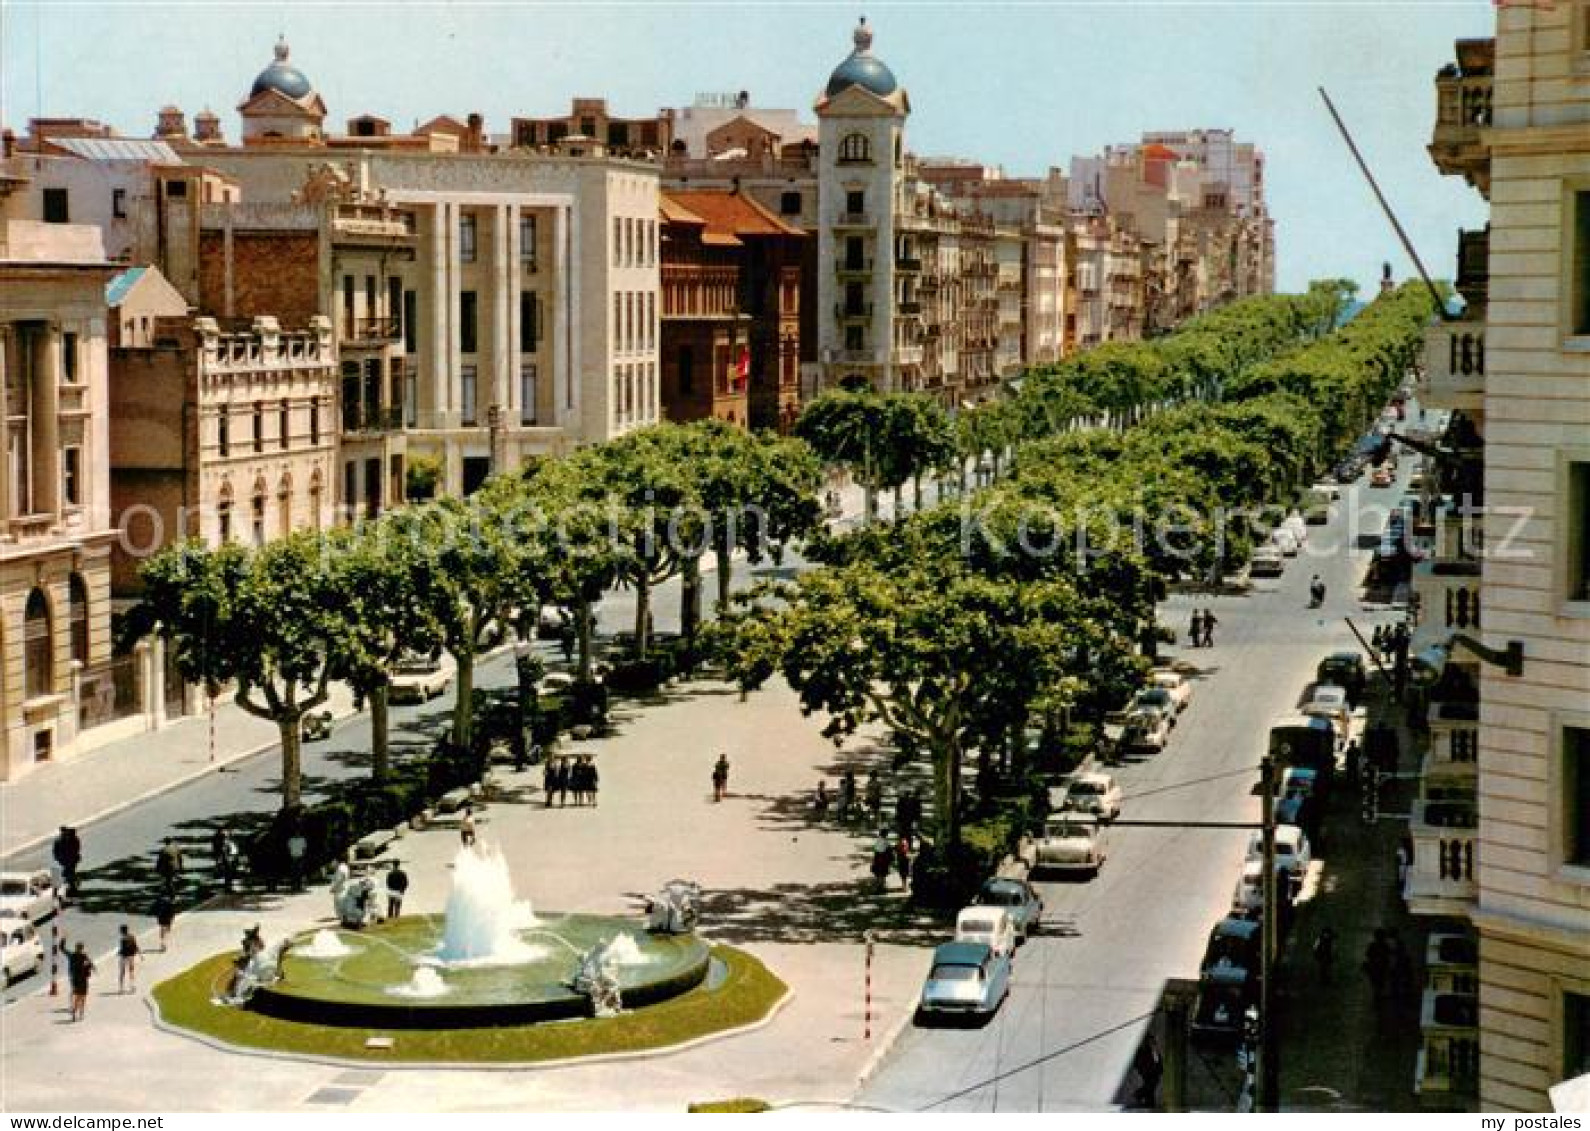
x: 1407, y: 244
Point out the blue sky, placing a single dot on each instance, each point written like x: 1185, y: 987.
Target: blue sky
x: 1024, y: 85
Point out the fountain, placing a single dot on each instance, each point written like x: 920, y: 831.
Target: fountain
x: 488, y: 960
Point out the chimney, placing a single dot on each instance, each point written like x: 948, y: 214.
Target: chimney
x: 477, y: 134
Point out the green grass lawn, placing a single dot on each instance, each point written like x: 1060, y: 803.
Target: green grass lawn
x: 748, y: 993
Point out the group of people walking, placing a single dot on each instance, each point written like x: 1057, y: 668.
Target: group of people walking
x: 565, y: 776
x: 1201, y: 631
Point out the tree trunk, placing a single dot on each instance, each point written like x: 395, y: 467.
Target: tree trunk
x: 946, y: 793
x: 725, y: 554
x: 463, y: 722
x: 916, y: 492
x: 869, y: 501
x: 642, y: 612
x: 582, y: 625
x: 899, y: 500
x: 380, y: 749
x: 690, y: 600
x: 290, y: 725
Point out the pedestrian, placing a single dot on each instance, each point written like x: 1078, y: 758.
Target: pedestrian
x: 820, y: 801
x: 549, y: 779
x: 1377, y: 961
x: 908, y: 811
x: 1354, y: 758
x: 882, y: 857
x: 297, y: 853
x: 592, y: 780
x: 126, y: 960
x: 397, y: 885
x: 847, y: 794
x: 1209, y: 629
x: 1404, y: 860
x: 560, y: 782
x: 902, y: 861
x: 466, y: 827
x: 68, y: 853
x: 1150, y: 1067
x: 874, y: 796
x: 1195, y: 629
x: 168, y: 863
x: 79, y: 969
x: 1400, y: 971
x: 566, y: 641
x: 720, y: 777
x: 1325, y: 954
x: 224, y: 853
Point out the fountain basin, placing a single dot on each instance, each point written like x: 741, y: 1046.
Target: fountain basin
x: 365, y: 989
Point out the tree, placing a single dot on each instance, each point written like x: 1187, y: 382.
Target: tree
x: 273, y: 620
x: 580, y: 546
x: 844, y: 427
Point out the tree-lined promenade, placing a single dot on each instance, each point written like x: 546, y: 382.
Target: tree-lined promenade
x: 944, y: 626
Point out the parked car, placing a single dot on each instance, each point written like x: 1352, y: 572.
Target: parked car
x: 991, y: 926
x: 554, y: 683
x: 1092, y: 793
x: 1296, y: 526
x: 1247, y: 899
x: 1019, y: 899
x: 1233, y: 942
x: 965, y: 978
x: 1284, y: 540
x: 1291, y: 849
x: 1157, y: 700
x: 1176, y: 685
x: 1145, y: 730
x: 1347, y: 671
x: 1299, y: 781
x: 1304, y: 740
x: 21, y: 953
x: 417, y: 679
x: 1330, y: 702
x: 29, y: 896
x: 1298, y: 809
x: 1071, y: 842
x: 1267, y: 561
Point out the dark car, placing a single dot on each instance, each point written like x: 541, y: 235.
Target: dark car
x: 1232, y: 942
x: 1018, y: 898
x: 1347, y: 671
x: 1228, y: 977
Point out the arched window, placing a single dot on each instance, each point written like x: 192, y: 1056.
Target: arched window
x: 316, y: 488
x: 854, y: 148
x: 77, y: 597
x: 257, y: 512
x: 223, y: 513
x: 284, y: 503
x: 38, y: 647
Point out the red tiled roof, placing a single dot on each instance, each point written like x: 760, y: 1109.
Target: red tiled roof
x: 730, y: 214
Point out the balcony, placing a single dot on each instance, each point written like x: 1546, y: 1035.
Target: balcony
x: 24, y: 527
x: 375, y: 420
x: 855, y: 220
x: 1451, y: 963
x: 1449, y: 1055
x: 911, y: 308
x: 1473, y: 272
x: 908, y: 264
x: 1463, y: 111
x: 1454, y: 365
x: 907, y: 355
x: 1441, y: 880
x: 859, y: 313
x: 853, y: 268
x: 376, y: 331
x: 855, y: 357
x: 1447, y: 593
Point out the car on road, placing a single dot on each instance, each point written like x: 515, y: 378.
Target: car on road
x: 1299, y: 781
x: 1145, y: 730
x: 554, y: 683
x: 21, y: 953
x: 29, y: 896
x: 1247, y: 899
x: 1291, y: 849
x: 1382, y: 476
x: 1330, y: 702
x: 966, y: 978
x: 418, y: 679
x: 991, y: 926
x: 1019, y: 899
x: 1228, y: 977
x: 1346, y: 670
x: 1178, y: 686
x: 1284, y: 539
x: 1267, y: 561
x: 1092, y: 793
x: 1233, y: 942
x: 1071, y: 842
x: 1157, y: 700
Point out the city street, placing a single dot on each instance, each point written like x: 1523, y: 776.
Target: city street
x: 1085, y: 988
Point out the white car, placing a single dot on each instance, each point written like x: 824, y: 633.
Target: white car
x: 1291, y: 849
x: 1283, y: 539
x: 21, y: 953
x: 1094, y: 794
x: 1330, y: 702
x: 1145, y: 730
x: 554, y: 683
x: 1267, y: 561
x: 27, y: 895
x: 417, y: 679
x: 1178, y: 685
x: 991, y: 926
x: 1071, y: 842
x: 1248, y: 898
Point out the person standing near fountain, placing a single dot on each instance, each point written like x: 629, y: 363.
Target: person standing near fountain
x: 79, y: 969
x: 397, y: 884
x: 466, y: 827
x: 549, y: 780
x: 720, y: 777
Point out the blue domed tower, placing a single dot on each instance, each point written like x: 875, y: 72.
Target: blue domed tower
x: 282, y: 106
x: 861, y: 172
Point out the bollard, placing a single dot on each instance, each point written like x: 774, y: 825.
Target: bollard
x: 867, y: 1012
x: 55, y: 951
x: 212, y: 726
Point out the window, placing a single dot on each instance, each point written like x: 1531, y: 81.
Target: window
x: 72, y: 476
x: 853, y: 339
x: 854, y: 149
x: 466, y: 238
x: 118, y: 203
x: 55, y: 207
x: 651, y: 319
x: 38, y: 647
x: 284, y: 505
x: 223, y: 431
x: 284, y: 418
x: 853, y: 300
x: 1575, y: 796
x: 259, y: 426
x: 853, y: 254
x: 77, y: 610
x: 855, y: 202
x: 347, y: 306
x: 527, y: 240
x: 618, y: 321
x: 411, y: 322
x: 527, y: 393
x: 69, y: 359
x: 350, y: 485
x: 789, y: 204
x: 467, y: 310
x: 1579, y: 284
x: 314, y: 421
x: 1576, y: 536
x: 370, y: 308
x: 1575, y: 1035
x: 629, y: 242
x: 315, y: 492
x: 394, y: 305
x: 258, y: 513
x: 618, y: 242
x: 466, y: 393
x: 588, y: 128
x: 176, y: 189
x: 618, y: 134
x: 528, y: 330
